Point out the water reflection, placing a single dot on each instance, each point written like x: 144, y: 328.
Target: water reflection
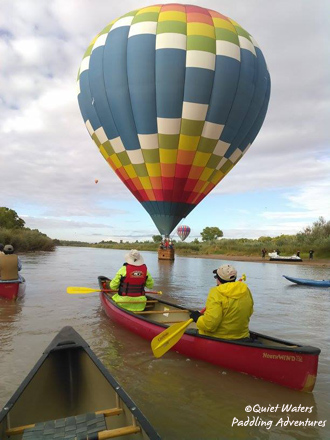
x: 10, y: 312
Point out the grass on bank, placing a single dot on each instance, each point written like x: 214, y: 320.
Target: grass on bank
x: 26, y: 240
x: 238, y: 247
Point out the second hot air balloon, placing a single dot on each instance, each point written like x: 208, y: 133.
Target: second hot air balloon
x: 173, y: 96
x: 183, y: 231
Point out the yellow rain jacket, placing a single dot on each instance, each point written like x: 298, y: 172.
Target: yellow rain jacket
x: 228, y: 310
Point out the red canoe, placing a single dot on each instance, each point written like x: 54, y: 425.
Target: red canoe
x: 282, y: 362
x: 12, y: 289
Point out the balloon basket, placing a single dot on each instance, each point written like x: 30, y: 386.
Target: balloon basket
x: 165, y: 254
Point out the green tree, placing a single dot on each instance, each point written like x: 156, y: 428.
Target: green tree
x: 10, y: 220
x: 157, y: 238
x: 211, y: 233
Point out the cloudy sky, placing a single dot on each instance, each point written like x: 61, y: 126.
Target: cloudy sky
x: 49, y: 162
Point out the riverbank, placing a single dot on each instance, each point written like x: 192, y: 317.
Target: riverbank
x: 254, y: 259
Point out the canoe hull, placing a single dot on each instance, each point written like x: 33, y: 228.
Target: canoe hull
x: 287, y: 260
x: 306, y: 282
x: 69, y: 381
x: 293, y: 367
x: 12, y: 290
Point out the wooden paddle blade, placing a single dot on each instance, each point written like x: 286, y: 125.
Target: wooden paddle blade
x: 80, y: 290
x: 168, y: 338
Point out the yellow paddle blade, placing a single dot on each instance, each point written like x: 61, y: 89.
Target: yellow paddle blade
x: 169, y: 337
x: 243, y: 277
x: 80, y: 290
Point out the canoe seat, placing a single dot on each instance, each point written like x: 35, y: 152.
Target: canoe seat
x: 71, y: 428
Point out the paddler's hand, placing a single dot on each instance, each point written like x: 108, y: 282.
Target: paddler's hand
x: 195, y: 315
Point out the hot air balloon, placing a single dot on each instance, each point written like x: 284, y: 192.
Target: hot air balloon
x: 96, y: 181
x: 183, y: 231
x: 173, y: 96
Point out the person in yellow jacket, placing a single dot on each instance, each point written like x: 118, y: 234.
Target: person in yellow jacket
x: 130, y: 281
x: 229, y: 307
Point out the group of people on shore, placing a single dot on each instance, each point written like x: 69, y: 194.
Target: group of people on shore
x: 10, y: 264
x: 229, y: 304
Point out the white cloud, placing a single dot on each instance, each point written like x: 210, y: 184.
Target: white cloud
x: 288, y: 215
x: 315, y: 199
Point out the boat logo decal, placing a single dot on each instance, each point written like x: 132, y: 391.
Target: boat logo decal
x: 282, y: 357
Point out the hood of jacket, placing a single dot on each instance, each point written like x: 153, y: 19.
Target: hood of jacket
x: 234, y: 290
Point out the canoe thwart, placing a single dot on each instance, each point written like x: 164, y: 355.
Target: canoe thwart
x: 117, y: 432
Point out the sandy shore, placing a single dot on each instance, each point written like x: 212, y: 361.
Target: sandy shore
x: 253, y: 259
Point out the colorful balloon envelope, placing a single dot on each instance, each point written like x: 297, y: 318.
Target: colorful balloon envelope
x: 173, y: 97
x: 183, y: 231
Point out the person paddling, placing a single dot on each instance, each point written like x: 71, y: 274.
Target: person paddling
x: 10, y: 264
x: 130, y: 281
x: 229, y: 307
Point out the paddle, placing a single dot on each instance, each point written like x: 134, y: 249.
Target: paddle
x: 85, y: 290
x: 170, y: 336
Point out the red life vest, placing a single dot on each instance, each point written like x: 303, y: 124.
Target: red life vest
x: 134, y: 281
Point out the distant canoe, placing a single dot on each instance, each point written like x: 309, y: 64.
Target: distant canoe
x: 70, y: 391
x: 273, y: 256
x: 304, y: 282
x: 12, y: 289
x: 285, y: 363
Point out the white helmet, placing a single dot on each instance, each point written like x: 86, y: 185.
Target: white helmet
x: 226, y: 272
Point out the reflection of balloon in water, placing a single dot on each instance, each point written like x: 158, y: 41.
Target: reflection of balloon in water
x: 183, y: 232
x: 173, y: 96
x: 96, y: 181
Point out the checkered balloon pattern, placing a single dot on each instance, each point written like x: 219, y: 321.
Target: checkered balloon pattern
x: 173, y: 96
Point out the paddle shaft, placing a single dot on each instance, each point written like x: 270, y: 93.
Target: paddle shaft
x: 86, y: 290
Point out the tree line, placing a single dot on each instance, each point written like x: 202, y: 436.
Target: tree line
x: 316, y: 237
x: 23, y: 239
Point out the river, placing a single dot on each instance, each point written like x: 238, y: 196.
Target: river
x: 182, y: 398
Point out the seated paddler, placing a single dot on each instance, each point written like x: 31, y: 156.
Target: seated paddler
x: 229, y: 306
x: 130, y: 281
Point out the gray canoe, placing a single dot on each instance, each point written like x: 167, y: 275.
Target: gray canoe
x: 69, y: 394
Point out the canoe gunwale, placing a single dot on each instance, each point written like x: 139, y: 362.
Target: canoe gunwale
x: 69, y: 339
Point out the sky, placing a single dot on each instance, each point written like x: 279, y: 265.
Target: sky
x: 49, y: 162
